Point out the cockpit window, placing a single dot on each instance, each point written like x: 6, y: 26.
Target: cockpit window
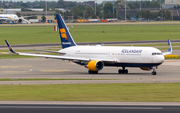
x: 156, y: 53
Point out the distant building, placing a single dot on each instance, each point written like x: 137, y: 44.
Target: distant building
x: 11, y: 11
x: 170, y: 4
x: 35, y: 9
x: 37, y: 13
x: 60, y: 9
x: 90, y: 3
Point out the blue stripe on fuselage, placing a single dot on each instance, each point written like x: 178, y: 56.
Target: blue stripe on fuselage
x: 127, y: 64
x: 133, y: 64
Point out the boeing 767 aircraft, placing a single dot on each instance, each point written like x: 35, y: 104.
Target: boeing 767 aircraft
x: 96, y: 57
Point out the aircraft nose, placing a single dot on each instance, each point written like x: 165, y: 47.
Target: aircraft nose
x: 158, y: 59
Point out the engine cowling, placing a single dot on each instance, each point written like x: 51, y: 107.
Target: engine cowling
x: 95, y: 65
x: 20, y: 20
x: 146, y: 68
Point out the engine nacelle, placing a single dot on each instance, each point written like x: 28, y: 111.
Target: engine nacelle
x: 146, y: 68
x: 95, y: 65
x: 20, y: 20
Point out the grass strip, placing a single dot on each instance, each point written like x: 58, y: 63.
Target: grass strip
x: 37, y: 79
x: 93, y: 33
x: 130, y: 92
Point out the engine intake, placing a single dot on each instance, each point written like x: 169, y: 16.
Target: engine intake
x: 20, y: 20
x: 95, y: 65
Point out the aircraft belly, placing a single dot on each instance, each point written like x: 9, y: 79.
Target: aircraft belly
x: 132, y: 64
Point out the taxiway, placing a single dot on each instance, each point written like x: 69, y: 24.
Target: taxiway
x: 168, y: 72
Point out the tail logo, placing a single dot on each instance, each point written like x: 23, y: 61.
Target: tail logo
x: 9, y: 47
x: 63, y: 33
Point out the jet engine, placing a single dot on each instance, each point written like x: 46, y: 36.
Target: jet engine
x: 20, y: 20
x: 95, y: 65
x: 146, y: 68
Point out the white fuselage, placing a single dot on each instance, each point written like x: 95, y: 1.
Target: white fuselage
x: 9, y: 17
x: 128, y: 56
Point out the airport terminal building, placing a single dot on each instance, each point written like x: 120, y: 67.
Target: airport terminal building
x: 169, y: 4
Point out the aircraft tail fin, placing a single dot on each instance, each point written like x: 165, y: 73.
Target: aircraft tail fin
x: 65, y: 36
x: 169, y: 48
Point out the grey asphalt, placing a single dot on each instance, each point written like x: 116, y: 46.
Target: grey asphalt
x: 168, y: 72
x: 94, y: 43
x: 87, y: 108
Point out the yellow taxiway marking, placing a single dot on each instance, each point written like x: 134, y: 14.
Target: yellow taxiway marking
x: 53, y: 70
x: 14, y: 66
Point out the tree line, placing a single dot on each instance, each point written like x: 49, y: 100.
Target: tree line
x: 148, y: 15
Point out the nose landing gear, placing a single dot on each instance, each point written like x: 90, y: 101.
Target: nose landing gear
x: 154, y: 70
x: 123, y: 71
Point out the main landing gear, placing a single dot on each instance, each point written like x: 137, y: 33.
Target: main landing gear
x: 123, y: 71
x: 154, y: 71
x: 92, y: 72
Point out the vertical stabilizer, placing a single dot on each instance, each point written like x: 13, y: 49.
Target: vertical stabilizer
x: 66, y: 38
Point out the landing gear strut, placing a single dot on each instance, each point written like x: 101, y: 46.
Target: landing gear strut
x: 154, y: 71
x: 92, y: 72
x: 123, y: 71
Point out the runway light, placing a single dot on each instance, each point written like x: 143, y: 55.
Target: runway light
x: 171, y: 56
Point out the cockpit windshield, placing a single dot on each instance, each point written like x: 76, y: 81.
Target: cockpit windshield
x: 156, y: 53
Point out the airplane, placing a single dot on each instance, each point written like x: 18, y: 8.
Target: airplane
x: 96, y: 57
x: 12, y: 18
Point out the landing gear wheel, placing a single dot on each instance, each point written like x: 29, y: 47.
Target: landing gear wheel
x: 119, y: 71
x: 154, y: 70
x: 92, y: 72
x: 153, y: 73
x: 124, y: 71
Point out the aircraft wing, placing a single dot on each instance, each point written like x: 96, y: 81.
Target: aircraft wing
x: 56, y: 56
x: 50, y: 51
x: 169, y: 49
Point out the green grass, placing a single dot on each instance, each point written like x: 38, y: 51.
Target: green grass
x: 137, y: 92
x: 150, y: 45
x: 42, y: 79
x: 165, y: 48
x: 88, y: 33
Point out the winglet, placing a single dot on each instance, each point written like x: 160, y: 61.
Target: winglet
x: 9, y: 46
x: 169, y: 46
